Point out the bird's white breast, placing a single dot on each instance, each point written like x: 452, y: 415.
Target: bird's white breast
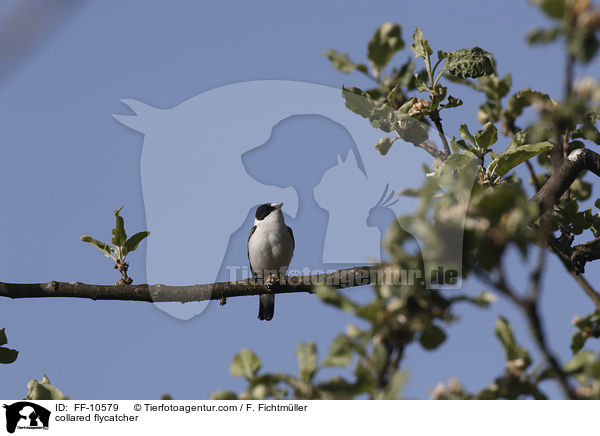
x: 270, y: 247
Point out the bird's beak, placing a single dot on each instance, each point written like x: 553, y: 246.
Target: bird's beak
x: 279, y: 206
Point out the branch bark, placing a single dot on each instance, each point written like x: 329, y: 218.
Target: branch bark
x: 564, y: 176
x: 430, y: 148
x: 345, y: 278
x: 586, y: 252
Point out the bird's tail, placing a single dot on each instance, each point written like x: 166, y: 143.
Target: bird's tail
x: 266, y: 306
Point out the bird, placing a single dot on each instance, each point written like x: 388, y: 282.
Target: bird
x: 270, y: 249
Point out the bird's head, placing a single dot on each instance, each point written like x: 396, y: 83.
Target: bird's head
x: 267, y: 212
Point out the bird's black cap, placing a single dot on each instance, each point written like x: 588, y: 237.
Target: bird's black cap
x: 264, y: 210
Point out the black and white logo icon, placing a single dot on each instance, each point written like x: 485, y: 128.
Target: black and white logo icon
x: 26, y: 415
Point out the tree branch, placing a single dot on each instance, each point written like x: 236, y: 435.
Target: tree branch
x: 536, y: 182
x: 345, y: 278
x: 573, y: 258
x: 564, y: 176
x: 586, y: 252
x: 565, y: 258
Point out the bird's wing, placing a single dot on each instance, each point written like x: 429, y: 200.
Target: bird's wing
x: 248, y: 246
x: 292, y: 235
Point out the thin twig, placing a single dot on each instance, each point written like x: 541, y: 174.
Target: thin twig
x: 568, y: 83
x: 437, y: 121
x: 383, y: 370
x: 529, y: 306
x: 430, y: 148
x: 536, y: 182
x: 536, y: 274
x: 588, y: 289
x: 531, y: 311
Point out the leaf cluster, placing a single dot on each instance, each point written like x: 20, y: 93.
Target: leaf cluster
x: 121, y: 247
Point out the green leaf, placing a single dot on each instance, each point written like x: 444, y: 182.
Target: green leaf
x: 132, y: 243
x: 570, y: 209
x: 501, y: 88
x: 468, y: 62
x: 588, y: 130
x: 553, y: 8
x: 543, y: 36
x: 460, y: 162
x: 306, y: 353
x: 465, y: 134
x: 523, y: 98
x: 8, y: 355
x: 461, y: 144
x: 410, y: 129
x: 330, y: 296
x: 338, y: 388
x: 432, y: 337
x: 581, y: 190
x: 505, y: 334
x: 393, y: 387
x: 578, y: 362
x: 512, y: 350
x: 487, y: 136
x: 342, y: 62
x: 245, y: 364
x: 119, y: 236
x: 384, y: 145
x: 43, y: 390
x: 365, y: 379
x: 582, y: 43
x: 105, y: 248
x: 340, y: 352
x: 223, y: 395
x: 409, y: 192
x: 577, y: 342
x: 514, y: 155
x: 452, y: 102
x: 386, y: 41
x: 259, y: 392
x: 407, y: 105
x: 420, y: 46
x: 358, y: 101
x: 393, y: 94
x: 3, y: 339
x: 438, y: 96
x: 421, y: 82
x: 380, y: 115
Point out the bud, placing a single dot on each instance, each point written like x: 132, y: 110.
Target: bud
x: 418, y: 106
x: 482, y: 117
x: 516, y: 367
x: 585, y: 86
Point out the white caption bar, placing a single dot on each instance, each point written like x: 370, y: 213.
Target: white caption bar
x: 296, y: 417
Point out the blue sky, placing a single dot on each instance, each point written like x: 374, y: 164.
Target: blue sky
x: 67, y: 164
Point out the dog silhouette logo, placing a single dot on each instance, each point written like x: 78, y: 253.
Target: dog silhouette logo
x: 209, y: 161
x: 26, y: 415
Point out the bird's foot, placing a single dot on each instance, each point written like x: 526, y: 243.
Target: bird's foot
x: 270, y: 281
x: 273, y: 280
